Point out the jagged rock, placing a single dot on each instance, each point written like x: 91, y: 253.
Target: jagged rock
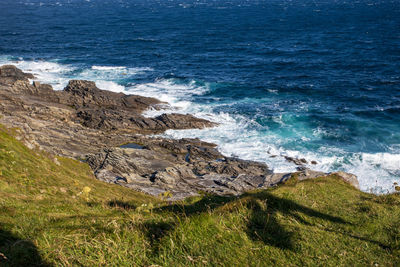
x: 181, y: 121
x: 9, y: 74
x: 92, y: 107
x: 296, y: 161
x: 100, y: 109
x: 86, y: 94
x: 160, y: 167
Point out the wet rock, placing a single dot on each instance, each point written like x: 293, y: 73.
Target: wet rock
x: 301, y: 168
x: 296, y: 161
x: 133, y: 145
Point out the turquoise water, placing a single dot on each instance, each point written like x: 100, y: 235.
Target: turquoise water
x: 313, y: 79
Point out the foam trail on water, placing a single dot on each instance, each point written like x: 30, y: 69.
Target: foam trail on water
x: 107, y: 68
x: 112, y: 73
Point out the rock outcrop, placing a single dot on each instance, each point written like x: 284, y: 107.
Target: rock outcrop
x: 81, y: 93
x: 90, y: 124
x: 10, y: 74
x: 182, y: 167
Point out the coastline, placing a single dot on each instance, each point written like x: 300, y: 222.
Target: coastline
x: 84, y: 122
x: 283, y: 134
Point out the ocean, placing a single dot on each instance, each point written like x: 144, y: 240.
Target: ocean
x: 318, y: 79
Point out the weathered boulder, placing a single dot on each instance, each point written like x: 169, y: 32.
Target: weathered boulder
x: 299, y: 162
x: 10, y: 74
x: 183, y: 121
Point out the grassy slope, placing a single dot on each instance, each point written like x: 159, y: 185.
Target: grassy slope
x: 46, y: 218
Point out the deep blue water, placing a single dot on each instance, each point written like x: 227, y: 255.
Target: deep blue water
x: 314, y: 79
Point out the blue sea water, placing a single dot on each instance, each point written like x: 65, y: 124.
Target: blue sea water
x: 312, y: 79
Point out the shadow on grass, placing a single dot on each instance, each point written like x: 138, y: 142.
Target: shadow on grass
x: 18, y: 252
x: 121, y: 204
x: 263, y: 224
x: 85, y: 223
x: 155, y: 231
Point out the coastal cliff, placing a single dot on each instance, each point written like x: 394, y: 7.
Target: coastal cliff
x: 108, y: 131
x: 54, y: 212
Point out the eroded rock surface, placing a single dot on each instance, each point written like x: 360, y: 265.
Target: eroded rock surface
x: 90, y: 124
x: 10, y: 74
x: 182, y: 167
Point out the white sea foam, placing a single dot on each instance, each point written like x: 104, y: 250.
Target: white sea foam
x: 121, y: 70
x: 110, y: 86
x: 111, y: 73
x: 108, y: 68
x: 58, y: 75
x: 177, y: 95
x: 50, y: 72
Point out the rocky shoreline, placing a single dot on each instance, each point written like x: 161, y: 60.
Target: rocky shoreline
x: 109, y: 132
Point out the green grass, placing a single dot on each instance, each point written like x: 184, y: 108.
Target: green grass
x: 49, y: 217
